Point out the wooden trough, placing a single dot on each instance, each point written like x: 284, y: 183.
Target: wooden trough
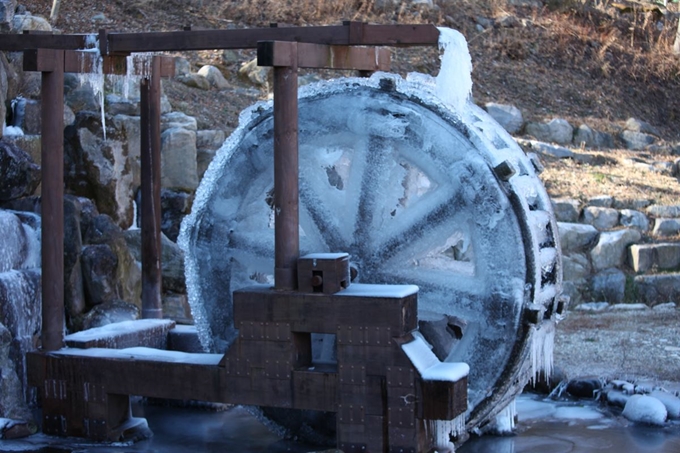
x: 385, y: 385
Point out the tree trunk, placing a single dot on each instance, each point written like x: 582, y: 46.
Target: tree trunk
x: 55, y: 10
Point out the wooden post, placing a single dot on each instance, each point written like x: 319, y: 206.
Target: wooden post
x: 286, y: 188
x: 52, y: 206
x: 150, y: 94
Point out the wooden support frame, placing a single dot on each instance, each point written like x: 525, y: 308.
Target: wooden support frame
x: 83, y: 61
x: 321, y: 56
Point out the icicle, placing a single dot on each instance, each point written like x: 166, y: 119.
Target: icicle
x: 95, y: 79
x: 454, y: 82
x: 441, y: 432
x: 505, y: 420
x: 542, y: 345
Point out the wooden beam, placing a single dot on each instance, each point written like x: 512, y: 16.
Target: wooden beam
x: 321, y: 56
x: 21, y: 42
x: 87, y: 61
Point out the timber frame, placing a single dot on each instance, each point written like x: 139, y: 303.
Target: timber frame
x: 379, y: 392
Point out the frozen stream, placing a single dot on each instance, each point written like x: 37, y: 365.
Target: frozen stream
x: 554, y: 427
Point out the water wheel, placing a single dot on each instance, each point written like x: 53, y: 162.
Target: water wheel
x: 417, y: 193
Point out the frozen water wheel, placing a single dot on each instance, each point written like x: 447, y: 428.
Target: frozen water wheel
x: 416, y: 193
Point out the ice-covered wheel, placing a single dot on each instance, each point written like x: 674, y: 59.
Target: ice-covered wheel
x: 417, y: 193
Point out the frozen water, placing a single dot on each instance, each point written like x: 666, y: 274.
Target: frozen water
x: 118, y: 328
x: 645, y: 409
x: 454, y: 82
x: 429, y: 366
x: 11, y: 130
x: 95, y: 79
x: 505, y: 420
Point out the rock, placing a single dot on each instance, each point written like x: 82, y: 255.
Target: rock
x: 601, y: 218
x: 174, y: 207
x: 194, y: 81
x: 634, y: 219
x: 575, y: 267
x: 507, y: 21
x: 593, y: 306
x: 671, y: 402
x: 617, y: 398
x: 575, y: 236
x: 672, y: 211
x: 636, y: 204
x: 12, y: 403
x: 508, y: 116
x: 99, y: 271
x: 19, y: 246
x: 573, y: 290
x: 178, y: 120
x: 611, y: 246
x: 214, y: 76
x: 230, y: 56
x: 665, y: 307
x: 609, y: 285
x: 178, y: 159
x: 655, y: 289
x: 74, y: 293
x: 556, y: 130
x: 210, y: 139
x: 172, y: 260
x: 584, y: 387
x: 7, y: 8
x: 636, y: 125
x: 601, y: 201
x: 25, y: 22
x: 203, y: 158
x: 127, y: 130
x: 118, y: 105
x: 666, y: 227
x: 18, y: 429
x: 589, y: 138
x: 663, y: 256
x: 97, y: 228
x: 637, y: 140
x: 20, y: 175
x: 182, y: 67
x: 550, y: 150
x: 110, y: 312
x: 82, y: 98
x: 176, y: 307
x: 645, y: 409
x: 257, y: 75
x: 566, y: 209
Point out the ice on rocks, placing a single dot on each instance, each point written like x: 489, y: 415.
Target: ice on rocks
x: 645, y: 409
x: 669, y: 400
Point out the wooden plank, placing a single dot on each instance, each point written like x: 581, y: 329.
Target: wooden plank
x: 42, y: 60
x: 400, y: 35
x: 19, y: 42
x: 320, y: 56
x: 443, y: 400
x: 313, y: 390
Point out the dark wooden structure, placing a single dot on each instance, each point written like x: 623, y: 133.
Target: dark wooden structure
x: 381, y: 384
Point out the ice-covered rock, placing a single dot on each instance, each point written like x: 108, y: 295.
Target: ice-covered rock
x: 645, y: 409
x: 20, y: 175
x: 669, y: 400
x: 617, y: 398
x: 611, y: 247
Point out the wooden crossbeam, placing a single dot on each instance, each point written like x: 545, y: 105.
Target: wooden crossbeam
x: 320, y: 56
x: 20, y: 42
x: 351, y: 33
x: 84, y: 61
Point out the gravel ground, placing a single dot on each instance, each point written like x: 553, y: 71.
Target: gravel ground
x: 632, y: 345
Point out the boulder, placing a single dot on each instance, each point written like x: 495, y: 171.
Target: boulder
x: 575, y: 237
x: 641, y: 257
x: 655, y: 289
x: 100, y: 264
x: 172, y: 260
x: 257, y: 75
x: 601, y: 218
x: 26, y: 22
x: 508, y: 116
x: 672, y: 211
x: 214, y: 76
x: 210, y: 139
x: 611, y: 246
x: 666, y: 227
x: 609, y: 285
x: 575, y: 267
x: 110, y: 312
x: 667, y: 255
x: 645, y: 409
x: 178, y: 159
x: 203, y: 158
x: 194, y: 81
x: 12, y: 405
x: 636, y: 125
x: 182, y: 67
x: 127, y: 130
x: 669, y: 400
x: 634, y: 219
x: 637, y: 140
x: 566, y: 209
x: 119, y: 105
x: 19, y: 243
x: 584, y: 387
x: 590, y: 138
x: 176, y: 306
x: 637, y: 204
x: 178, y: 120
x: 557, y: 130
x: 601, y: 201
x: 174, y: 207
x: 20, y: 175
x: 7, y: 8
